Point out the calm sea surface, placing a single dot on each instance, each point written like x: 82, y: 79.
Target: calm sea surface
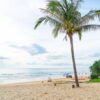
x: 13, y: 75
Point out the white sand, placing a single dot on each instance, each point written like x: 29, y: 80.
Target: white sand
x: 47, y: 91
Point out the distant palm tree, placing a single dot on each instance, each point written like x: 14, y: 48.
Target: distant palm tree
x: 64, y: 15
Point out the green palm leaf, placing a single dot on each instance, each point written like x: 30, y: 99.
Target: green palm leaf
x: 39, y: 21
x: 89, y: 27
x: 56, y: 29
x: 91, y: 15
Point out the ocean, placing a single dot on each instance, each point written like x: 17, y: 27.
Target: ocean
x: 14, y: 75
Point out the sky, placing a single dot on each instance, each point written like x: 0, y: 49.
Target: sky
x: 23, y: 47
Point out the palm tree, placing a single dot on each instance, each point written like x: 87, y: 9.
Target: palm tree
x: 65, y: 17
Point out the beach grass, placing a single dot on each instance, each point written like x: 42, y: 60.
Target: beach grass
x: 94, y: 81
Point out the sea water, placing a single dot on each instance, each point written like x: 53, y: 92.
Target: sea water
x: 13, y: 75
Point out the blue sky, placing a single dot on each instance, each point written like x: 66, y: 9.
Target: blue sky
x: 22, y: 46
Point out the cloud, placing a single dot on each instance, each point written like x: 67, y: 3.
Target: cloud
x: 3, y: 58
x: 96, y: 55
x: 34, y: 49
x: 62, y: 60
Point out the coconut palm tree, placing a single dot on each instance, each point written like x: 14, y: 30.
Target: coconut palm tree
x: 65, y: 17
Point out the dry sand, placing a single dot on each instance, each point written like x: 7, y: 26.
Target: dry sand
x: 47, y: 91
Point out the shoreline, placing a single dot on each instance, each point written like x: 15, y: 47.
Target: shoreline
x: 43, y: 81
x: 39, y: 79
x: 34, y: 81
x: 31, y: 80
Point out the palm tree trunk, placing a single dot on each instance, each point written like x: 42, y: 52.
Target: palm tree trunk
x: 73, y: 60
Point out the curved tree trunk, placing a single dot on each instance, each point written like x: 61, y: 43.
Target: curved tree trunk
x: 73, y: 60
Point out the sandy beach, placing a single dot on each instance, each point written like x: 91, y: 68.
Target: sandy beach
x: 43, y: 90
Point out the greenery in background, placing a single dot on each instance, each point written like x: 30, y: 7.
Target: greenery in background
x: 94, y: 81
x: 95, y: 70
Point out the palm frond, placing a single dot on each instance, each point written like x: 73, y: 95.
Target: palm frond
x: 89, y: 27
x: 76, y: 3
x: 57, y: 7
x: 65, y: 37
x: 80, y: 34
x: 52, y: 5
x: 56, y: 30
x: 51, y: 20
x: 45, y: 20
x: 62, y: 7
x: 91, y: 15
x: 39, y: 21
x: 98, y: 13
x: 66, y: 5
x: 53, y: 15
